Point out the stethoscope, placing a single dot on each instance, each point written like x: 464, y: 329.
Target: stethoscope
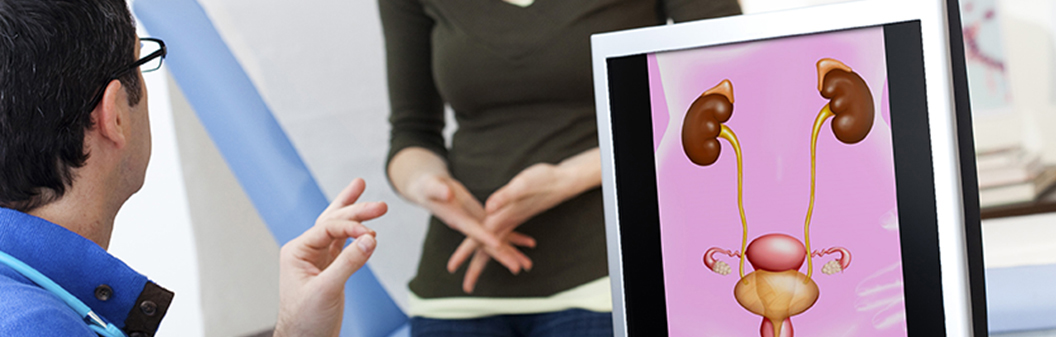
x: 93, y: 320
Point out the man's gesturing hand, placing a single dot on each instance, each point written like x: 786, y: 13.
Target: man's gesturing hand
x: 314, y: 267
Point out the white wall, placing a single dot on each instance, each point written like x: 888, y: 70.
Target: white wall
x: 237, y: 256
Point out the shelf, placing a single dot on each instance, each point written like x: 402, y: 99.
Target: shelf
x: 1045, y: 203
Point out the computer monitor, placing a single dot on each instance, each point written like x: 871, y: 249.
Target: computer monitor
x: 806, y: 172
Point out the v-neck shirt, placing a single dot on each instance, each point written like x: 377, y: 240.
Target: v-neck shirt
x: 519, y: 82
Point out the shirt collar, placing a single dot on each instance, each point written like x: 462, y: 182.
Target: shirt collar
x: 104, y: 283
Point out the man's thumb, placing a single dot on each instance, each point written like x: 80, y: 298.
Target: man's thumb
x: 349, y: 261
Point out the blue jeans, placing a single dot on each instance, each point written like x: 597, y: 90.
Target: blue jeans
x: 570, y: 323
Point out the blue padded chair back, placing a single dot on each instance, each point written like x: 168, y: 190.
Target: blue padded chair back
x: 255, y: 147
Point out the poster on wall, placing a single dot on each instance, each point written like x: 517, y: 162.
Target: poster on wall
x: 985, y: 58
x: 789, y: 153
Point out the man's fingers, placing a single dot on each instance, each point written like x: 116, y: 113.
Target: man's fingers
x: 476, y: 267
x: 335, y: 250
x: 464, y: 251
x: 322, y: 235
x: 341, y: 230
x: 349, y: 261
x: 363, y: 211
x: 349, y: 195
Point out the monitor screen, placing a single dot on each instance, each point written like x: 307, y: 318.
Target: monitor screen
x: 777, y: 173
x: 781, y: 187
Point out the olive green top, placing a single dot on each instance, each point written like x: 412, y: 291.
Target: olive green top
x: 519, y: 81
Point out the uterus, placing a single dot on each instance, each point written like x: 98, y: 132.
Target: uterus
x: 776, y: 289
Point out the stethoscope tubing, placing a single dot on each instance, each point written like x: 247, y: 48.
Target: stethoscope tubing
x: 96, y: 323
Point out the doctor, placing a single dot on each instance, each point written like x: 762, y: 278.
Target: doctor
x: 74, y: 145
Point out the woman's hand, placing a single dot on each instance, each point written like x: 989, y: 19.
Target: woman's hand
x: 537, y: 189
x: 451, y: 202
x: 533, y: 191
x: 481, y: 257
x: 422, y: 177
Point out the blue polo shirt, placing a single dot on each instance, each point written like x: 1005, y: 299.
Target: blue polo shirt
x: 117, y: 293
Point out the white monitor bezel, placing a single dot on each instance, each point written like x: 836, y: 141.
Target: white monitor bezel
x: 938, y: 71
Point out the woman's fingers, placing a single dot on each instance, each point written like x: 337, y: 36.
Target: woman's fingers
x: 464, y: 251
x: 506, y: 255
x: 497, y: 200
x: 524, y: 261
x: 476, y: 231
x: 458, y: 219
x: 469, y: 246
x: 521, y: 240
x: 461, y: 212
x: 476, y: 267
x: 469, y: 203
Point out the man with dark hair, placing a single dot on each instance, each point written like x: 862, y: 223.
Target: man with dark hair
x: 74, y: 146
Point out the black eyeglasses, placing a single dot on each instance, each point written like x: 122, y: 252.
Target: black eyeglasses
x: 155, y: 50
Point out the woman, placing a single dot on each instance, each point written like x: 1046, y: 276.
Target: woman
x: 519, y: 183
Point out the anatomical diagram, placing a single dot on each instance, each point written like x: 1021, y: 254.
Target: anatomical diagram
x: 776, y: 289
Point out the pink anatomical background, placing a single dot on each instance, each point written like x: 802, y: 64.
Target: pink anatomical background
x: 776, y: 100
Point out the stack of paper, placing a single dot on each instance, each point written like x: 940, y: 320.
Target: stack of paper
x: 1011, y: 175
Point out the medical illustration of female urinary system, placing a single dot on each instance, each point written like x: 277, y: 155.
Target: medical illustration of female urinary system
x: 776, y: 289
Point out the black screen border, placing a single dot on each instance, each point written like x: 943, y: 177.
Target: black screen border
x: 644, y: 297
x: 969, y: 181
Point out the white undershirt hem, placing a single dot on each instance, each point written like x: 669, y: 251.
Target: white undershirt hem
x: 593, y: 296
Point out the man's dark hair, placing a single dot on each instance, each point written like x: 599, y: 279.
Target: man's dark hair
x: 55, y: 58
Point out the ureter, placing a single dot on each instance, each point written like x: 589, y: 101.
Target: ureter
x: 818, y: 122
x: 728, y: 134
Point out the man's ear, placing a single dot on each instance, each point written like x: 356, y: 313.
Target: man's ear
x: 111, y: 115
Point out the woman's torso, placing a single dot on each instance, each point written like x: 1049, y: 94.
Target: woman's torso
x: 519, y: 80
